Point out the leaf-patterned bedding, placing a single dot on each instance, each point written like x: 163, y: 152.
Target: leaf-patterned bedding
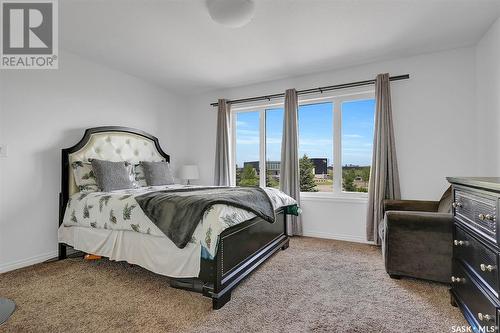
x: 118, y: 210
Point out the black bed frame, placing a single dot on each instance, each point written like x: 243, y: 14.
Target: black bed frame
x: 241, y: 248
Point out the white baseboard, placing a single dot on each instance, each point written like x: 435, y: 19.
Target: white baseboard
x: 327, y: 235
x: 10, y: 266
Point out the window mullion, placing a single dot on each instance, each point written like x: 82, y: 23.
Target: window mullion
x: 262, y: 148
x: 337, y: 146
x: 232, y: 158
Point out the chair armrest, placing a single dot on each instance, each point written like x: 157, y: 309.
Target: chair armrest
x: 418, y: 244
x: 411, y: 205
x: 413, y: 221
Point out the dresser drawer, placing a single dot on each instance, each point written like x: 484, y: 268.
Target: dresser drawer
x: 479, y: 305
x: 482, y: 260
x: 478, y: 211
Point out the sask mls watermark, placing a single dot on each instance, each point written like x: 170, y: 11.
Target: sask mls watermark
x: 29, y: 37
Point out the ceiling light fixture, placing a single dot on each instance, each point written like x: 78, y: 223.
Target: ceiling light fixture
x: 231, y: 13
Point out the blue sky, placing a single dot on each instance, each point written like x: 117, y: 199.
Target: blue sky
x: 315, y: 132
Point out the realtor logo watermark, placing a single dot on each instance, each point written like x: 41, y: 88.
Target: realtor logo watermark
x: 29, y: 38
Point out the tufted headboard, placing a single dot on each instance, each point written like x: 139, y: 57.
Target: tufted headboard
x: 112, y: 143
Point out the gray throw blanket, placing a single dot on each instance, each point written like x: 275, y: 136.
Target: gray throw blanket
x: 178, y: 212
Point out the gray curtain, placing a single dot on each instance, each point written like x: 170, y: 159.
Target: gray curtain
x: 289, y: 168
x: 222, y: 175
x: 384, y: 177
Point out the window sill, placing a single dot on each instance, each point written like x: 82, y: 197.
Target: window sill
x: 334, y: 197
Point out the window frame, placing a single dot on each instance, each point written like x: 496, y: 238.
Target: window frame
x: 336, y: 99
x: 261, y: 109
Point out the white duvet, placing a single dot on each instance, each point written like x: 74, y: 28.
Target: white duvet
x: 118, y: 210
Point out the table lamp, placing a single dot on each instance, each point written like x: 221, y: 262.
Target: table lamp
x: 189, y: 172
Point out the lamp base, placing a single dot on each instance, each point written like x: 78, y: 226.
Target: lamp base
x: 7, y: 307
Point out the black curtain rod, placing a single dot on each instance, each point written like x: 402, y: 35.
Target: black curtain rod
x: 313, y: 90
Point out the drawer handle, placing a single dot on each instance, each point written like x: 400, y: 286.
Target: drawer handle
x: 487, y: 217
x: 484, y: 317
x: 487, y: 268
x: 460, y: 242
x: 457, y: 204
x: 457, y: 280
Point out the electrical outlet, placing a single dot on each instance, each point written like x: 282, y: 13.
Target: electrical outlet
x: 3, y: 150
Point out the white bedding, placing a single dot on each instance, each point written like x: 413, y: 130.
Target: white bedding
x: 157, y: 254
x: 109, y: 218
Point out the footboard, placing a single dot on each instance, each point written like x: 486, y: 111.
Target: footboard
x: 241, y: 250
x: 236, y: 247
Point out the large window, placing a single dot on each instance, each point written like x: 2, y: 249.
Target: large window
x: 335, y: 143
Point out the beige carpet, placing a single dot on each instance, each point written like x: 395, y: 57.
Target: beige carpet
x: 314, y: 286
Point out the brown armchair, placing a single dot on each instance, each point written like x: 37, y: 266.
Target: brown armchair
x: 417, y: 238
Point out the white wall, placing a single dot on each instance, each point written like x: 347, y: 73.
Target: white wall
x: 488, y: 101
x: 434, y: 121
x: 42, y: 111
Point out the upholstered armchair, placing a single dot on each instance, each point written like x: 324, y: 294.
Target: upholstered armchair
x: 417, y: 238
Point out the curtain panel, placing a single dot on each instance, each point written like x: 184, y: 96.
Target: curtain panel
x: 223, y: 168
x: 384, y: 177
x: 289, y: 168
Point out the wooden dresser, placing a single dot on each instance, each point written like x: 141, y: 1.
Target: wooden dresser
x: 476, y: 239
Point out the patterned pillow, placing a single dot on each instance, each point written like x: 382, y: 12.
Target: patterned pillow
x: 131, y: 173
x: 84, y: 176
x: 140, y: 177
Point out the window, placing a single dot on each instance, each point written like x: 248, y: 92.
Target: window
x: 357, y: 144
x: 247, y: 148
x: 274, y: 134
x: 316, y: 147
x: 335, y: 143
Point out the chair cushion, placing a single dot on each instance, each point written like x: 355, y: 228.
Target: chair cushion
x: 445, y: 202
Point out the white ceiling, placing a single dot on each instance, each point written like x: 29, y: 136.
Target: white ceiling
x: 177, y: 45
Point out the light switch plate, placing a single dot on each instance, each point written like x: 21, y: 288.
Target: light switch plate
x: 3, y: 150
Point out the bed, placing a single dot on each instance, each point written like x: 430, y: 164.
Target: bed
x: 211, y: 266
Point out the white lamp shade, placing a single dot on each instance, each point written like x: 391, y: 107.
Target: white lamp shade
x: 189, y: 172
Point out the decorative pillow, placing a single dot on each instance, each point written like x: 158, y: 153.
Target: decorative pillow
x: 157, y: 173
x: 84, y: 176
x: 140, y: 177
x: 113, y: 176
